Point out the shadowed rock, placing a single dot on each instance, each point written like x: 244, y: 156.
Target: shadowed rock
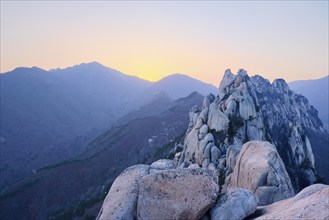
x: 121, y: 201
x: 234, y: 204
x: 310, y: 203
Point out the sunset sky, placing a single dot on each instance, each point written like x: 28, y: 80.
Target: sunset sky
x: 285, y: 39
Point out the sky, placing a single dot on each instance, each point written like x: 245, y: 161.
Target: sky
x: 153, y: 39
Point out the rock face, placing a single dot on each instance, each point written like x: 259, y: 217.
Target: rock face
x: 161, y: 165
x: 250, y: 142
x: 235, y: 204
x: 260, y: 169
x: 311, y: 203
x: 217, y: 120
x: 176, y: 194
x: 231, y: 155
x: 250, y: 108
x: 121, y: 200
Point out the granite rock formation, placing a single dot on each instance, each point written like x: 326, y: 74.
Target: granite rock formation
x: 310, y: 203
x: 249, y: 144
x: 260, y: 169
x: 250, y: 108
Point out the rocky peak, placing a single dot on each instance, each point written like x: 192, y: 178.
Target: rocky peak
x: 250, y: 108
x: 245, y: 147
x: 281, y: 85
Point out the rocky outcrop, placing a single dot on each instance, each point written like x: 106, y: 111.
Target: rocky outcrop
x: 121, y: 200
x: 234, y: 204
x: 260, y: 169
x: 250, y: 108
x: 176, y: 194
x: 217, y: 120
x: 250, y: 143
x: 311, y: 203
x: 161, y: 165
x: 160, y: 192
x: 231, y: 155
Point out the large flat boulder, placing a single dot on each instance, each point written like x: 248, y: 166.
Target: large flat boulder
x: 260, y: 169
x: 121, y: 200
x: 176, y: 194
x: 310, y: 203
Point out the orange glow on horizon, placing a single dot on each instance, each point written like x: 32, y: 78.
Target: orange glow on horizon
x: 154, y: 39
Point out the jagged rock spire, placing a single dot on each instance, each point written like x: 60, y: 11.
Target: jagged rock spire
x: 250, y: 108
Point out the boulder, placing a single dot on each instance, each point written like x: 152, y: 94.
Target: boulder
x: 176, y: 194
x: 226, y: 82
x: 185, y: 164
x: 231, y: 155
x: 202, y: 132
x: 194, y: 166
x: 217, y: 120
x: 215, y: 154
x: 300, y: 150
x: 234, y: 204
x: 208, y: 100
x: 221, y: 163
x: 204, y: 115
x: 199, y: 154
x: 255, y: 129
x: 206, y: 152
x: 310, y: 203
x: 162, y: 164
x: 205, y: 163
x: 260, y: 169
x: 230, y: 105
x: 121, y: 200
x: 191, y: 145
x: 247, y: 108
x: 208, y: 138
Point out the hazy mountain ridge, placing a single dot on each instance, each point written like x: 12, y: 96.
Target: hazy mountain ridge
x: 86, y: 178
x: 159, y: 103
x: 48, y: 116
x: 183, y: 85
x: 317, y: 92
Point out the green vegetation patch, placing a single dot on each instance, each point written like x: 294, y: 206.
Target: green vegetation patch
x: 164, y: 150
x: 80, y: 209
x: 234, y: 124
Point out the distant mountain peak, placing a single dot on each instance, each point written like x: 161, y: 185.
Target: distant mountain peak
x: 27, y: 70
x: 180, y: 76
x: 176, y: 75
x: 93, y: 64
x: 317, y: 92
x: 180, y: 85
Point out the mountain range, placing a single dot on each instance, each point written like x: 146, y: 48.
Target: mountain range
x: 78, y: 128
x: 75, y: 188
x: 317, y: 92
x: 49, y: 116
